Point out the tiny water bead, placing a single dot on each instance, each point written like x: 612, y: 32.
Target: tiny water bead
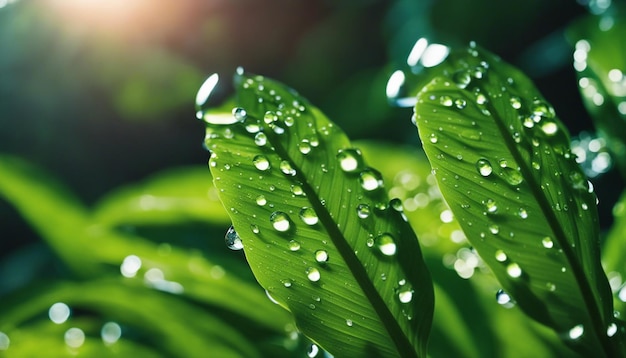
x: 296, y: 190
x: 500, y: 256
x: 349, y: 322
x: 260, y: 200
x: 611, y: 329
x: 313, y: 274
x: 308, y: 216
x: 350, y: 160
x: 254, y: 228
x: 261, y: 162
x: 280, y: 221
x: 363, y: 211
x: 232, y: 239
x: 433, y: 138
x: 484, y: 167
x: 490, y: 206
x: 239, y: 113
x: 321, y: 256
x: 304, y: 146
x: 503, y: 298
x: 446, y: 101
x: 294, y: 245
x: 385, y: 244
x: 371, y: 179
x: 516, y: 103
x: 270, y: 117
x: 522, y: 213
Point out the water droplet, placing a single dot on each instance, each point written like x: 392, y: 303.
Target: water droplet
x: 490, y: 206
x: 516, y: 103
x: 239, y: 113
x: 206, y: 98
x: 371, y: 179
x: 350, y: 160
x: 549, y: 128
x: 294, y: 245
x: 304, y: 146
x: 550, y: 286
x: 460, y: 103
x: 494, y: 229
x: 74, y: 337
x: 503, y: 298
x: 433, y: 138
x: 313, y: 274
x: 480, y: 98
x: 270, y: 117
x: 313, y: 351
x: 385, y: 244
x: 254, y: 228
x: 111, y: 332
x: 611, y: 329
x: 321, y: 256
x: 260, y: 200
x: 484, y: 167
x: 547, y: 242
x: 59, y: 312
x: 363, y: 211
x: 286, y: 168
x: 576, y: 332
x: 130, y: 266
x: 349, y: 322
x: 287, y: 283
x: 280, y: 221
x: 261, y: 162
x: 405, y: 296
x: 514, y: 270
x: 584, y: 206
x: 232, y: 239
x: 522, y: 213
x: 446, y: 101
x: 500, y: 256
x: 5, y: 342
x: 260, y: 139
x: 461, y: 78
x: 309, y: 216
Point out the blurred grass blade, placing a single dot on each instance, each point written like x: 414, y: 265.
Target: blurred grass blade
x: 614, y: 255
x: 600, y: 64
x: 173, y: 196
x: 316, y: 225
x: 158, y: 315
x: 503, y: 164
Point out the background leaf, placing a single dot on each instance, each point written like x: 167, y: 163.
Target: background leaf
x: 353, y: 278
x: 501, y: 158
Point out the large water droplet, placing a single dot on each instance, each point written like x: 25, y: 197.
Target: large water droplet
x: 270, y: 117
x: 260, y: 139
x: 205, y: 99
x: 280, y: 221
x: 484, y: 167
x: 371, y: 179
x: 313, y: 274
x: 349, y: 322
x: 261, y: 163
x: 350, y: 160
x: 304, y: 146
x: 363, y: 211
x: 503, y: 298
x: 549, y: 128
x: 386, y: 244
x: 547, y: 242
x: 294, y: 245
x: 611, y: 329
x: 260, y: 200
x: 405, y: 295
x: 296, y: 190
x: 500, y: 256
x: 516, y: 103
x: 309, y: 216
x: 239, y: 113
x: 232, y: 239
x: 512, y: 176
x: 321, y: 256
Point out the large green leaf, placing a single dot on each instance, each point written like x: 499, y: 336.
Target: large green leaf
x: 316, y: 225
x: 503, y: 164
x: 614, y: 255
x: 600, y: 63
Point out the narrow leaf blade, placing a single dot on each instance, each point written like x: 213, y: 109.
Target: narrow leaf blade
x: 503, y: 163
x: 354, y: 280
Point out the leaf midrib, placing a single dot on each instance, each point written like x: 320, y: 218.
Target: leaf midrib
x: 389, y: 321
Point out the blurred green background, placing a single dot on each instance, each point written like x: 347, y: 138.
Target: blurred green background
x: 100, y: 95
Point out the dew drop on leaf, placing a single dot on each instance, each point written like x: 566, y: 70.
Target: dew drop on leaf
x: 484, y: 167
x: 309, y: 216
x: 547, y: 242
x: 371, y: 179
x: 313, y: 274
x: 490, y: 206
x: 280, y: 221
x: 260, y: 139
x: 304, y: 146
x: 433, y: 138
x: 313, y: 351
x: 522, y: 213
x: 611, y: 329
x: 512, y: 176
x: 446, y: 101
x: 350, y: 160
x: 294, y: 245
x: 503, y: 298
x: 549, y: 128
x: 363, y: 211
x: 260, y: 200
x: 297, y: 190
x: 500, y: 256
x: 514, y: 270
x: 349, y: 322
x: 232, y: 239
x: 261, y: 163
x: 270, y: 117
x: 254, y: 228
x: 516, y: 103
x: 405, y: 296
x: 494, y: 229
x: 385, y: 244
x: 321, y: 256
x: 286, y: 168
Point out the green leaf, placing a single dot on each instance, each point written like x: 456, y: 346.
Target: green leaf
x: 502, y: 160
x: 600, y: 63
x: 292, y: 184
x: 614, y: 255
x: 173, y: 196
